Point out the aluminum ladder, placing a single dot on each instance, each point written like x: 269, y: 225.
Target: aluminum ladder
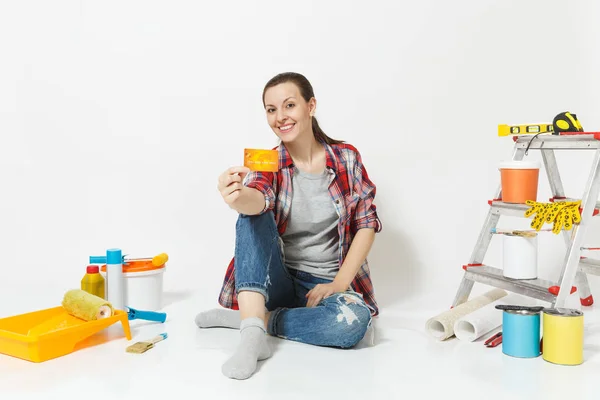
x: 574, y: 269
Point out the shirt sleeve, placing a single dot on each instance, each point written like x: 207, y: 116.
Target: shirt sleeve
x: 263, y: 182
x: 366, y: 212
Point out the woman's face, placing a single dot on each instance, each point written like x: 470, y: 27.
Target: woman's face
x: 287, y: 113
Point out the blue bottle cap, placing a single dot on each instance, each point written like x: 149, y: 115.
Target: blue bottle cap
x: 114, y: 256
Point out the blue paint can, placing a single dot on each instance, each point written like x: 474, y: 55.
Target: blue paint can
x: 521, y: 333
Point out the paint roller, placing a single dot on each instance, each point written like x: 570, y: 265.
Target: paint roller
x: 89, y: 307
x: 78, y: 305
x: 86, y: 306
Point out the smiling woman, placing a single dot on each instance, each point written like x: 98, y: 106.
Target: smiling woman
x: 297, y: 86
x: 303, y: 233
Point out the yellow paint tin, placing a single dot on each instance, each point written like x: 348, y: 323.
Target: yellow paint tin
x: 563, y: 336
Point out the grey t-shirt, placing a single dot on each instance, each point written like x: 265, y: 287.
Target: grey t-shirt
x: 311, y: 237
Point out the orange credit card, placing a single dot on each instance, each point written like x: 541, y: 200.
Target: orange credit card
x: 261, y: 160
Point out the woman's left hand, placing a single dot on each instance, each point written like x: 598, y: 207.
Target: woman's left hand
x: 321, y: 291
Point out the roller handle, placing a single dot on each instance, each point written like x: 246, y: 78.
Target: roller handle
x: 146, y: 315
x: 102, y: 259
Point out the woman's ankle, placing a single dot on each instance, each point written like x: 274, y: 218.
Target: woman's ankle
x: 252, y: 305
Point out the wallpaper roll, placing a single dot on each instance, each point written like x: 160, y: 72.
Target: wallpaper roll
x: 441, y: 326
x: 484, y: 320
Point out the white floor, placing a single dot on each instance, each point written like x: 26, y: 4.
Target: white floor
x: 404, y: 363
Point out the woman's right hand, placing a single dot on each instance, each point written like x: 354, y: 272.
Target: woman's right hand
x: 230, y: 183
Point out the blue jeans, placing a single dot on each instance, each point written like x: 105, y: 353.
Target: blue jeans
x: 340, y: 320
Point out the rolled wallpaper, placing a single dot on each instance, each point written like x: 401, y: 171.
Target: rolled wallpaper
x: 484, y: 320
x: 441, y: 326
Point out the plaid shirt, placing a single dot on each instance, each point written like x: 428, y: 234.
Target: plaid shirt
x: 352, y: 193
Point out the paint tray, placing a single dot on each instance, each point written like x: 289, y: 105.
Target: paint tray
x: 46, y: 334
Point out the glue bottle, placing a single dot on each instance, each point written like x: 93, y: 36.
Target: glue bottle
x: 93, y: 282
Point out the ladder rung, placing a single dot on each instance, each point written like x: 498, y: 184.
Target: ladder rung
x: 589, y: 265
x: 567, y: 199
x: 509, y: 209
x: 518, y: 210
x: 536, y: 288
x: 585, y: 141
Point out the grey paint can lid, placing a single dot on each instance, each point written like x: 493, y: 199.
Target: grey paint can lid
x: 563, y: 312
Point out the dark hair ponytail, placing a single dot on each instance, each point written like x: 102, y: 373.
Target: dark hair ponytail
x: 320, y: 135
x: 306, y: 91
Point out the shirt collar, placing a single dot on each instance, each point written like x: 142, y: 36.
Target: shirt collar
x: 285, y: 160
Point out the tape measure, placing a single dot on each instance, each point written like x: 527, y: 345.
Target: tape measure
x: 566, y: 122
x: 563, y: 122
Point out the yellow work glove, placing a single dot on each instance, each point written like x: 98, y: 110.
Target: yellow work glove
x: 562, y: 214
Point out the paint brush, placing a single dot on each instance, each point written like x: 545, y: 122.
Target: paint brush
x: 523, y: 233
x: 142, y: 347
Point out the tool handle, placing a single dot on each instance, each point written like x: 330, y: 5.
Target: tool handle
x: 147, y: 315
x: 101, y: 259
x: 159, y: 338
x: 492, y: 338
x: 494, y: 342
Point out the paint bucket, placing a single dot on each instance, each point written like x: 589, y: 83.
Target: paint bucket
x: 563, y: 336
x: 520, y: 257
x: 519, y: 180
x: 521, y: 333
x: 143, y: 284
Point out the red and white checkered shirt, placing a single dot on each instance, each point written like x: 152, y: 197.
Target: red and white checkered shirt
x: 352, y: 193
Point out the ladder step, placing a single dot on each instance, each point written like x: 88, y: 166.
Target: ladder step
x: 536, y: 288
x: 509, y: 209
x: 518, y: 210
x: 585, y: 141
x: 589, y: 265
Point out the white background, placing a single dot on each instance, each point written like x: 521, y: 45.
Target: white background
x: 117, y: 117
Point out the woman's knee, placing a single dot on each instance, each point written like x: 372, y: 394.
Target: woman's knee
x: 261, y: 225
x: 351, y: 319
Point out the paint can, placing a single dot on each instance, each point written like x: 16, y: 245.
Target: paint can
x: 519, y: 180
x: 563, y: 336
x: 521, y: 333
x: 520, y: 257
x: 143, y: 284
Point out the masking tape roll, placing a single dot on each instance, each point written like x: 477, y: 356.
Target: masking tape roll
x: 86, y: 306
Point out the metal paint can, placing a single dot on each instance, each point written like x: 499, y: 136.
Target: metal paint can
x: 520, y: 257
x: 521, y: 333
x: 563, y: 336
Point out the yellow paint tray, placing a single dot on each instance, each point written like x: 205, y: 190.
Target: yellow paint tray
x: 46, y: 334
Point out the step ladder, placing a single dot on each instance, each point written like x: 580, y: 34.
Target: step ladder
x: 574, y: 268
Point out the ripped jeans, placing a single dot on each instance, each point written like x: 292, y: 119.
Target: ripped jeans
x: 340, y: 320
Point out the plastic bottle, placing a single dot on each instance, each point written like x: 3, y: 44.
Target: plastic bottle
x: 93, y: 282
x: 115, y: 279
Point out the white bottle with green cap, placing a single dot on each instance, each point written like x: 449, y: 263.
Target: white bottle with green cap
x: 115, y: 281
